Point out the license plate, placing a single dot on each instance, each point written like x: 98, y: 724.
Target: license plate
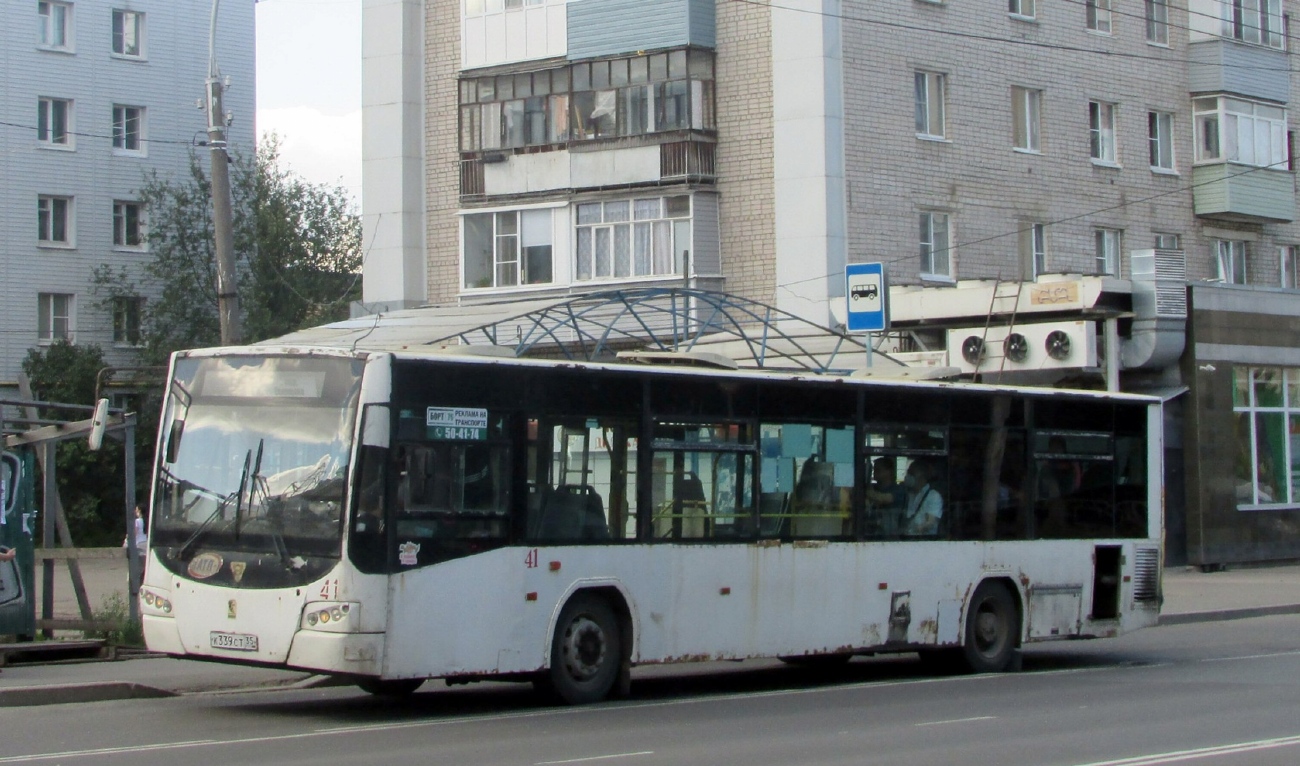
x: 240, y: 642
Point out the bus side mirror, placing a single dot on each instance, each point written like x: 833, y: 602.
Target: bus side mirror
x: 376, y: 428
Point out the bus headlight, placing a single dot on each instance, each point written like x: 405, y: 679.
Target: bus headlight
x: 332, y: 616
x: 155, y: 602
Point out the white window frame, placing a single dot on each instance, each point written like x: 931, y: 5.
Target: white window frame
x: 1246, y: 407
x: 1232, y: 129
x: 931, y: 91
x: 1097, y: 16
x: 125, y: 21
x: 47, y: 108
x: 1230, y: 260
x: 1022, y: 9
x: 1026, y: 119
x: 1157, y: 16
x: 1258, y: 22
x: 54, y: 215
x: 1160, y: 141
x: 509, y: 266
x: 1167, y: 241
x: 1033, y: 250
x: 55, y: 28
x: 128, y: 313
x: 1107, y: 245
x: 656, y: 238
x: 1289, y: 266
x: 123, y: 115
x: 1101, y: 133
x: 53, y: 309
x: 935, y: 241
x: 128, y: 224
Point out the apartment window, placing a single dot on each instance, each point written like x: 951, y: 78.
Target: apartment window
x: 631, y: 96
x: 1166, y: 241
x: 930, y: 96
x: 128, y: 128
x: 126, y: 320
x: 128, y: 33
x: 1160, y: 140
x: 1107, y: 244
x: 1253, y: 21
x: 1289, y: 267
x: 128, y: 225
x: 1230, y: 261
x: 1098, y: 15
x: 508, y: 249
x: 1158, y: 21
x: 55, y: 321
x: 645, y: 237
x: 1033, y: 250
x: 52, y: 121
x: 1101, y: 131
x: 1026, y: 116
x: 1235, y: 130
x: 54, y: 220
x: 1266, y: 415
x: 1022, y: 8
x: 56, y: 24
x: 936, y: 248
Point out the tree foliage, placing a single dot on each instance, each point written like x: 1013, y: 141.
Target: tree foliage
x: 297, y: 251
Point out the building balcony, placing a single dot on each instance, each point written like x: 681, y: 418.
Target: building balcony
x: 1242, y: 193
x: 1229, y: 66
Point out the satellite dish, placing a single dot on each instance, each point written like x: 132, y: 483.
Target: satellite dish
x: 1016, y: 347
x: 1058, y: 345
x: 97, y: 424
x: 972, y: 349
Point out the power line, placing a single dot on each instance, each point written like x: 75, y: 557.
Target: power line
x: 34, y: 128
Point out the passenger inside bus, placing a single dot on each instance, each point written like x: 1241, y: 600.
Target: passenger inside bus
x: 924, y: 502
x: 886, y: 498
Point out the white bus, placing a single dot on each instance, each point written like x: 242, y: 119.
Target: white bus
x: 391, y: 517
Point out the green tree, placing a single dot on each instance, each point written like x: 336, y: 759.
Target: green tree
x: 90, y: 483
x: 297, y: 251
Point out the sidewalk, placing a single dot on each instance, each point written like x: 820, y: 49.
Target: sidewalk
x: 1190, y: 596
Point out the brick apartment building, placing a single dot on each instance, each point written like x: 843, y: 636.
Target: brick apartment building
x: 1096, y: 193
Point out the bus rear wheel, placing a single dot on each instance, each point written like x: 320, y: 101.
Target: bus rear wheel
x: 399, y: 687
x: 586, y: 651
x: 992, y: 626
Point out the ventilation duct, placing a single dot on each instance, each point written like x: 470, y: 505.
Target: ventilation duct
x: 1160, y: 309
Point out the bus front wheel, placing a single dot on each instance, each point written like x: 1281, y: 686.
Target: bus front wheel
x: 992, y: 626
x: 586, y: 651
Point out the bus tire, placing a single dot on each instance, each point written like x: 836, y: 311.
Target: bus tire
x: 992, y: 627
x: 586, y: 651
x: 398, y: 687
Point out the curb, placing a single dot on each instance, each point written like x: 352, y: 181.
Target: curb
x: 1217, y: 615
x: 62, y: 694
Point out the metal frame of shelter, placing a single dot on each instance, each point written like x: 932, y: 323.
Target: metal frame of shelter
x: 596, y: 326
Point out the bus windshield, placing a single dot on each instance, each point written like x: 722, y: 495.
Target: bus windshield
x: 253, y: 467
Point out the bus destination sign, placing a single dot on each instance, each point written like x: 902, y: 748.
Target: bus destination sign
x: 456, y: 423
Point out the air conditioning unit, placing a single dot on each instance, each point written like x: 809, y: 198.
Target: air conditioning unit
x: 1045, y: 346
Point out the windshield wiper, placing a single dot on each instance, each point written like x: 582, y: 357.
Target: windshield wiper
x: 238, y: 494
x: 251, y: 480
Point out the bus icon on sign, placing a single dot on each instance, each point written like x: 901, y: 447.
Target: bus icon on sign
x: 866, y: 292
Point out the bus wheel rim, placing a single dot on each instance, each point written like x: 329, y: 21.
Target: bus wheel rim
x: 583, y: 648
x: 988, y: 630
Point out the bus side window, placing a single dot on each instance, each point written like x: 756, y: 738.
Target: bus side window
x: 368, y: 539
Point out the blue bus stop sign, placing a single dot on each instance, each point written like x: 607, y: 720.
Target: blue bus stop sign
x: 867, y: 292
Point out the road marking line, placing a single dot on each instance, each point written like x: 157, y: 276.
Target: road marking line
x: 595, y: 758
x: 107, y: 751
x: 1251, y: 657
x: 958, y: 720
x: 1202, y: 752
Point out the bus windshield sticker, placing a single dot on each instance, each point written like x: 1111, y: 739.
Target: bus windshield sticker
x: 456, y: 423
x: 408, y: 554
x: 205, y: 565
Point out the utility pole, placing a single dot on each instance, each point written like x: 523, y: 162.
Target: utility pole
x: 222, y: 215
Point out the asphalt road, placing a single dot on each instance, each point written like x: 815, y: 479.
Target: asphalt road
x: 1213, y: 694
